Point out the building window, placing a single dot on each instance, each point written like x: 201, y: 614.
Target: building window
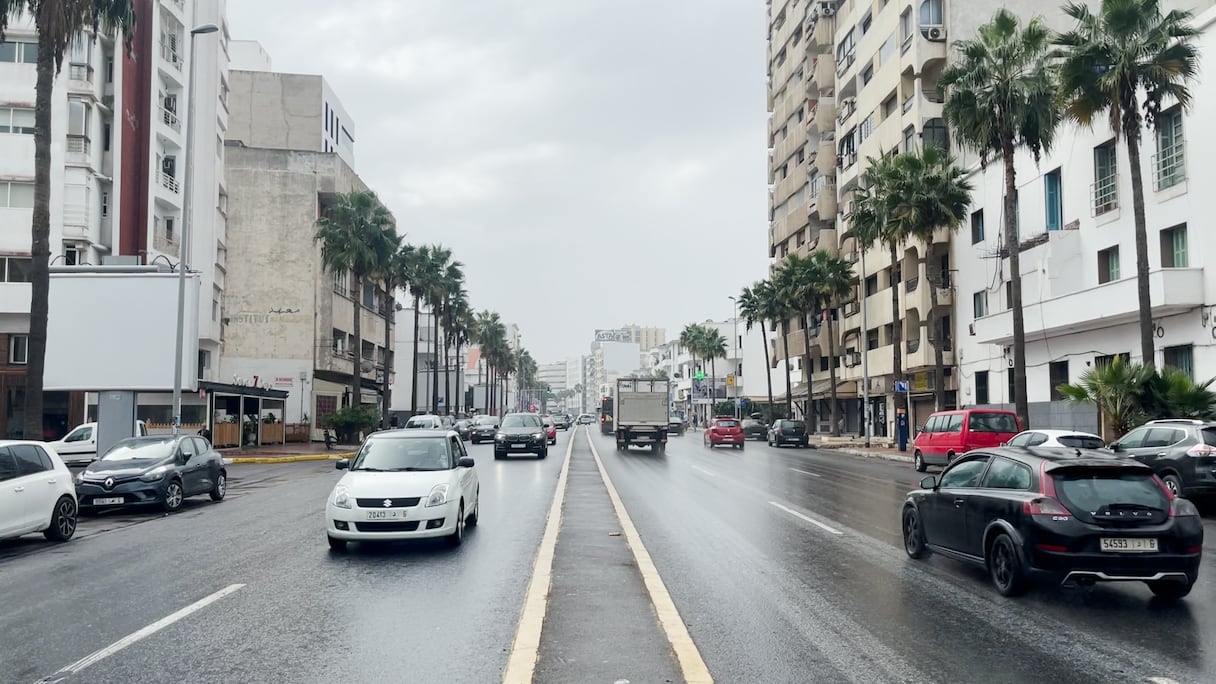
x: 79, y: 114
x: 977, y: 226
x: 73, y: 254
x: 1008, y: 295
x: 15, y: 269
x: 109, y: 70
x: 17, y: 120
x: 1173, y: 247
x: 930, y: 14
x: 905, y: 28
x: 1104, y: 361
x: 889, y: 106
x: 872, y: 285
x: 369, y: 296
x: 18, y: 349
x: 981, y: 387
x: 339, y: 342
x: 105, y: 138
x: 909, y: 139
x: 1057, y: 374
x: 105, y: 203
x: 15, y: 195
x: 1181, y: 357
x: 1053, y: 200
x: 1105, y: 187
x: 169, y: 228
x: 867, y: 74
x: 872, y: 339
x: 979, y: 303
x: 935, y: 133
x: 887, y: 51
x: 1171, y: 169
x: 23, y: 53
x: 1108, y: 264
x: 340, y: 283
x: 369, y: 351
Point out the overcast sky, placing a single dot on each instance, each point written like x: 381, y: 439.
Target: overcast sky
x: 592, y: 163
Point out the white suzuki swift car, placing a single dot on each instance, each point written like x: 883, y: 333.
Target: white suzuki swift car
x: 404, y: 484
x: 36, y: 492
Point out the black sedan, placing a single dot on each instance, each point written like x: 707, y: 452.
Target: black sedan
x: 1064, y: 515
x: 676, y: 426
x: 788, y: 432
x: 754, y: 429
x: 521, y: 432
x: 484, y: 429
x: 161, y: 470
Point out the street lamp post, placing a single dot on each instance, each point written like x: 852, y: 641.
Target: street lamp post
x: 734, y: 346
x: 187, y: 192
x: 865, y: 355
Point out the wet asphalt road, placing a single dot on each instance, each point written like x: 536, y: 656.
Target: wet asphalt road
x: 766, y: 594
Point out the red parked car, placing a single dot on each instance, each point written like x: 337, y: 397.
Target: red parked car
x: 550, y: 429
x: 724, y: 430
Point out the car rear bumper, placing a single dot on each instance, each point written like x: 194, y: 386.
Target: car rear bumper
x: 419, y: 523
x: 1113, y: 567
x: 733, y: 439
x: 792, y: 439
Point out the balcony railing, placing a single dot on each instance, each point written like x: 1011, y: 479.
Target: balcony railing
x: 913, y: 345
x: 80, y: 72
x: 78, y: 148
x: 170, y: 119
x: 169, y: 54
x: 1170, y: 166
x: 168, y: 182
x: 1104, y: 194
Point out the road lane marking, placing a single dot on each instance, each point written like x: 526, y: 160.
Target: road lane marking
x: 692, y: 665
x: 101, y: 654
x: 702, y: 470
x: 525, y: 648
x: 805, y: 472
x: 807, y: 518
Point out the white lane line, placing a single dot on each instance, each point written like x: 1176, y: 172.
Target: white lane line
x: 525, y: 648
x: 99, y: 655
x: 692, y: 665
x: 1161, y: 680
x: 807, y: 518
x: 805, y: 472
x: 699, y: 469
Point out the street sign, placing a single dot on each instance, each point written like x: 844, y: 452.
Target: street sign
x: 901, y: 386
x: 741, y: 403
x: 730, y: 380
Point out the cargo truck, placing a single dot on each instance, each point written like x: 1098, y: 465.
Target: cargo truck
x: 642, y: 413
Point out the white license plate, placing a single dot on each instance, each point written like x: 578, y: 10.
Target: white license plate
x: 108, y: 501
x: 1126, y: 545
x: 385, y: 515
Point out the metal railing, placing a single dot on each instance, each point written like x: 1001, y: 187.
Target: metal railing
x: 1169, y: 166
x: 170, y: 119
x: 80, y: 72
x: 168, y: 182
x: 169, y: 54
x: 1104, y: 194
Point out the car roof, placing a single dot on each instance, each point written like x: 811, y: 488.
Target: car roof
x: 1056, y: 458
x: 409, y: 434
x: 1056, y: 432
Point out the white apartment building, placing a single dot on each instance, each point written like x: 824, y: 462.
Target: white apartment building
x: 1078, y: 259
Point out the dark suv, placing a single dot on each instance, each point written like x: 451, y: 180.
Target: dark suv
x: 1181, y: 452
x: 788, y: 432
x: 521, y: 432
x: 1069, y: 515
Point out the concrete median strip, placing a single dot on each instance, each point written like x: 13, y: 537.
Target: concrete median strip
x: 299, y: 458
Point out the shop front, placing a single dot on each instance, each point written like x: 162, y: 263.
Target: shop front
x: 240, y: 416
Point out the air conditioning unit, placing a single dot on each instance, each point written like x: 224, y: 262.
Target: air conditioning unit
x: 854, y: 359
x: 936, y: 34
x: 827, y: 9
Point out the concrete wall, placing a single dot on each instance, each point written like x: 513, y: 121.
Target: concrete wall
x: 278, y: 111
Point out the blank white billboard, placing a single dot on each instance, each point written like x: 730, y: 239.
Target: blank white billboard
x: 117, y: 331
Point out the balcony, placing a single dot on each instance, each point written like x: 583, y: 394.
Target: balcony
x: 1104, y: 195
x: 1169, y: 167
x: 169, y: 54
x: 823, y: 72
x: 168, y: 182
x: 105, y: 239
x: 170, y: 119
x: 78, y: 149
x: 80, y: 76
x: 1172, y: 290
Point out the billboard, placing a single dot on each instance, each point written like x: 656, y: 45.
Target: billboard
x: 116, y: 329
x: 700, y: 391
x: 613, y: 336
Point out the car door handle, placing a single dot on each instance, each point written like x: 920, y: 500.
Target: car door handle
x: 50, y: 482
x: 18, y: 489
x: 959, y: 502
x: 1161, y: 455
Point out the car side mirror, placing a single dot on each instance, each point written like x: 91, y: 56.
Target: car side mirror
x: 466, y: 462
x: 929, y: 482
x: 1114, y: 446
x: 342, y: 464
x: 920, y: 428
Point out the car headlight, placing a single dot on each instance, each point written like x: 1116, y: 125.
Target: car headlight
x: 80, y: 477
x: 155, y: 474
x: 538, y: 435
x: 341, y: 497
x: 438, y: 495
x: 500, y: 437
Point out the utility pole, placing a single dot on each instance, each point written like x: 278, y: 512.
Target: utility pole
x: 865, y: 354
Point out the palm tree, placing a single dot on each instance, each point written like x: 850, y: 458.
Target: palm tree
x: 1110, y: 58
x: 713, y: 345
x: 59, y: 22
x: 692, y: 338
x: 1001, y: 95
x: 418, y: 275
x: 752, y: 307
x: 833, y: 281
x: 487, y: 333
x: 396, y: 275
x: 451, y: 287
x: 436, y: 291
x: 935, y: 194
x: 357, y: 235
x: 464, y: 323
x: 796, y: 279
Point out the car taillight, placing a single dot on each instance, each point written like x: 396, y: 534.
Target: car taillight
x: 1044, y: 506
x: 1200, y: 450
x: 1047, y: 486
x: 1181, y: 508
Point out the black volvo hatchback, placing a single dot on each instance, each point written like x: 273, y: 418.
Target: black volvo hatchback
x: 1063, y: 515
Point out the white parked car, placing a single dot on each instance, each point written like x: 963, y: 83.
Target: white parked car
x: 424, y: 422
x: 1057, y: 439
x: 80, y: 445
x: 36, y: 492
x: 404, y: 484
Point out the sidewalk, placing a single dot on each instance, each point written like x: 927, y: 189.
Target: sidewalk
x: 288, y: 453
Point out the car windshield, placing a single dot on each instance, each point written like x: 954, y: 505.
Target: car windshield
x: 1080, y: 441
x: 414, y: 423
x: 141, y: 449
x: 486, y: 420
x: 403, y: 454
x: 515, y: 421
x: 1087, y: 491
x: 727, y: 423
x: 993, y: 422
x: 794, y: 424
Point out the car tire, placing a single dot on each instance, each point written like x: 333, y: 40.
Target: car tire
x: 914, y: 534
x: 1005, y: 566
x: 918, y: 461
x: 543, y: 453
x: 498, y: 455
x: 63, y: 520
x: 174, y: 496
x: 221, y: 487
x: 1173, y: 483
x: 456, y: 538
x: 336, y: 544
x: 471, y: 521
x: 1170, y: 590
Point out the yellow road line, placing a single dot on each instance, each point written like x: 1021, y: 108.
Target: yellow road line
x: 692, y: 665
x: 525, y: 648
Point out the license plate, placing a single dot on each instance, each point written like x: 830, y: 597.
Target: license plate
x: 110, y: 501
x: 385, y: 515
x: 1126, y: 545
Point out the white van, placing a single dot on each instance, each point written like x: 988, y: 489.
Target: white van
x: 80, y: 445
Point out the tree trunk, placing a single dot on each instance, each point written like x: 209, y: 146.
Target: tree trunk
x: 40, y: 242
x: 435, y: 360
x: 832, y: 375
x: 1147, y: 353
x: 785, y: 345
x: 414, y: 364
x: 447, y: 368
x: 490, y: 393
x: 386, y: 392
x: 356, y: 377
x: 937, y: 339
x: 807, y: 372
x: 768, y: 375
x: 1021, y: 404
x: 897, y: 336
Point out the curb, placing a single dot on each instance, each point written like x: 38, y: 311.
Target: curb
x: 289, y: 459
x: 900, y: 458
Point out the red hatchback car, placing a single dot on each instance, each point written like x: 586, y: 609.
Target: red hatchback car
x: 725, y: 430
x: 550, y: 429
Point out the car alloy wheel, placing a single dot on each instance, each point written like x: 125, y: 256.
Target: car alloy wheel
x: 914, y: 537
x: 1004, y: 567
x: 173, y: 496
x: 63, y: 520
x: 1173, y: 484
x: 221, y: 487
x: 457, y: 536
x: 918, y: 462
